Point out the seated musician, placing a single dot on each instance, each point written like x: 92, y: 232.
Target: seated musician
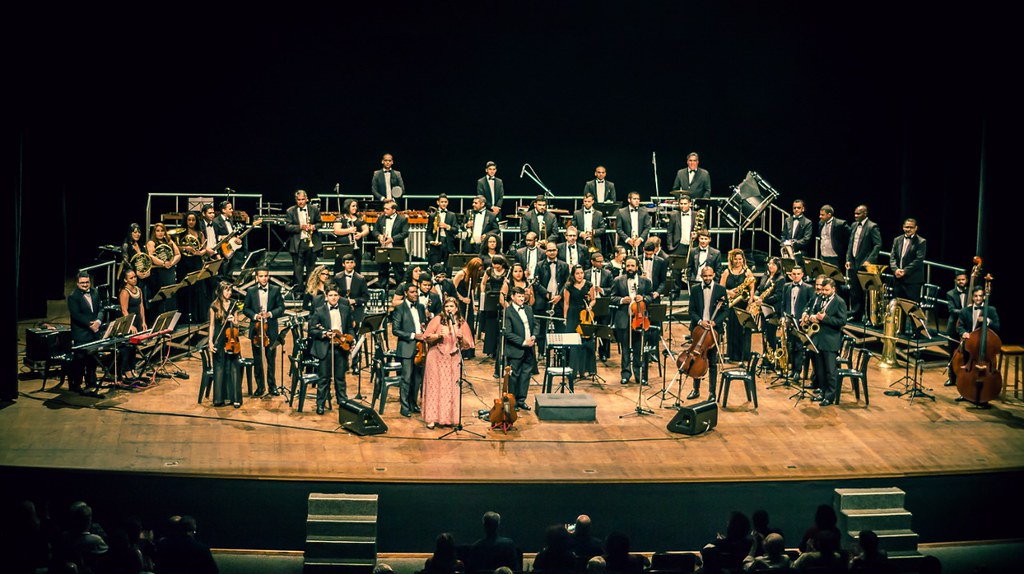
x: 970, y: 321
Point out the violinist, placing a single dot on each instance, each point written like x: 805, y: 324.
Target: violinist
x: 353, y: 288
x: 407, y: 323
x: 494, y: 277
x: 831, y: 317
x: 520, y: 332
x: 315, y: 294
x: 577, y: 301
x: 447, y: 333
x: 327, y: 323
x: 705, y: 296
x: 970, y: 320
x: 601, y: 279
x: 263, y: 305
x: 227, y: 381
x: 627, y: 289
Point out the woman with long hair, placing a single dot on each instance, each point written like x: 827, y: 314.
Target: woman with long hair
x: 412, y: 277
x: 224, y: 313
x: 737, y: 337
x: 316, y: 288
x: 133, y: 249
x: 467, y: 288
x: 191, y: 242
x: 350, y: 228
x: 494, y: 278
x: 489, y: 249
x: 578, y: 293
x: 774, y: 278
x: 618, y: 263
x: 516, y: 278
x: 130, y: 298
x: 165, y: 255
x: 447, y: 334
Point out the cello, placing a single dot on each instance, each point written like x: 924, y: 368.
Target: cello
x: 977, y: 378
x: 503, y: 414
x: 693, y: 361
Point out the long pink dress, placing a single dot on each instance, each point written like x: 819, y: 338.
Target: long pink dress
x: 441, y: 375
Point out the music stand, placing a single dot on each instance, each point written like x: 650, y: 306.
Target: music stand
x: 911, y: 383
x: 390, y: 255
x: 813, y: 267
x: 828, y: 270
x: 596, y: 332
x: 372, y: 325
x: 166, y: 321
x: 787, y: 264
x: 165, y: 293
x: 808, y: 344
x: 459, y: 260
x: 869, y: 280
x: 212, y: 268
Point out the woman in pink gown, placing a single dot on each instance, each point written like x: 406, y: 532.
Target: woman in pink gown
x: 441, y: 392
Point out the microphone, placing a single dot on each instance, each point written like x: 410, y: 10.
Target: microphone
x: 522, y: 172
x: 337, y: 186
x: 654, y: 158
x: 229, y: 190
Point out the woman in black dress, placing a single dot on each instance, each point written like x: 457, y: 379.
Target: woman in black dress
x: 489, y: 249
x: 165, y: 255
x: 494, y: 278
x: 350, y: 228
x: 737, y: 279
x: 578, y: 294
x: 227, y: 384
x: 769, y: 301
x: 130, y: 298
x: 191, y: 242
x: 316, y: 288
x: 467, y: 290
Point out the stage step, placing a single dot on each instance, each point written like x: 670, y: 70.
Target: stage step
x: 341, y: 533
x: 868, y: 498
x: 877, y: 509
x: 875, y: 519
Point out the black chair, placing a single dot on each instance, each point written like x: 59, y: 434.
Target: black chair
x: 206, y: 379
x: 858, y: 378
x: 931, y: 296
x: 748, y: 376
x: 845, y: 356
x: 389, y: 375
x: 685, y: 562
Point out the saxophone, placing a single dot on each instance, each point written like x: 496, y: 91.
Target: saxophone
x: 744, y: 291
x: 780, y: 356
x: 893, y: 318
x: 754, y: 308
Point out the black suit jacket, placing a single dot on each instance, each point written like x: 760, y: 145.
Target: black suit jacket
x: 913, y: 261
x: 701, y: 186
x: 609, y: 190
x: 674, y: 236
x: 448, y: 240
x: 358, y: 291
x: 490, y: 226
x: 531, y: 222
x: 433, y: 306
x: 803, y: 299
x: 320, y: 322
x: 292, y: 226
x: 697, y: 305
x: 82, y: 315
x: 830, y: 337
x: 482, y: 188
x: 582, y: 255
x: 603, y: 283
x: 965, y: 324
x: 624, y: 224
x: 659, y: 270
x: 521, y: 255
x: 378, y: 187
x: 840, y: 237
x: 954, y: 305
x: 714, y: 261
x: 597, y: 222
x: 804, y: 231
x: 870, y: 244
x: 544, y: 277
x: 275, y: 305
x: 514, y: 331
x: 404, y: 328
x: 620, y: 289
x: 399, y: 231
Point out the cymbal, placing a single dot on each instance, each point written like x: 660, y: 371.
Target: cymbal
x: 176, y: 231
x: 679, y: 192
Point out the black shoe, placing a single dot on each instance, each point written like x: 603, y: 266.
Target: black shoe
x: 712, y: 399
x: 825, y: 403
x: 406, y: 413
x: 257, y: 394
x: 416, y: 410
x: 523, y: 406
x: 237, y: 405
x: 949, y: 384
x: 959, y: 399
x: 625, y: 381
x: 817, y: 399
x: 645, y: 384
x: 695, y: 393
x: 275, y: 392
x: 320, y: 410
x: 218, y: 404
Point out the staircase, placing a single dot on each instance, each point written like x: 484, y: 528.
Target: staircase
x: 880, y: 510
x: 341, y: 533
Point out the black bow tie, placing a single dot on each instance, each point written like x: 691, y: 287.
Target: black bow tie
x: 302, y: 209
x: 442, y: 212
x: 264, y: 289
x: 703, y: 250
x: 587, y: 211
x: 693, y: 171
x: 489, y: 178
x: 684, y: 214
x: 349, y: 275
x: 978, y: 308
x: 387, y: 171
x: 633, y: 210
x: 392, y: 216
x: 706, y: 286
x: 333, y: 307
x: 600, y: 181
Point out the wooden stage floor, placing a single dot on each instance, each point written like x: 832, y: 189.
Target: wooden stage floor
x: 163, y: 430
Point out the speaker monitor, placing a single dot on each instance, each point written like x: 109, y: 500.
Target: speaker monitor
x: 359, y: 419
x: 697, y: 419
x: 41, y: 344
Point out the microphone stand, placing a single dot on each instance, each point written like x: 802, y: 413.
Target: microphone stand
x: 462, y: 369
x: 533, y: 176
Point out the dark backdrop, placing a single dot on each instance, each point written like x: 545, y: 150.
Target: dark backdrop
x: 864, y: 104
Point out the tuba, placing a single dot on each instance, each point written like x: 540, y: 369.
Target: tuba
x: 893, y: 318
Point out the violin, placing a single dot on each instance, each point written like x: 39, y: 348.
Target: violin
x: 233, y: 343
x: 503, y: 414
x: 421, y: 353
x: 260, y: 338
x: 974, y: 363
x: 638, y: 311
x: 693, y: 361
x: 586, y: 318
x: 341, y: 340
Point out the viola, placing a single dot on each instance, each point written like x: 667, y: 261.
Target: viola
x: 232, y: 344
x: 421, y: 353
x: 503, y: 414
x: 586, y: 318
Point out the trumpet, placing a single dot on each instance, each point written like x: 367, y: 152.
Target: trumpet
x: 787, y: 250
x: 591, y: 246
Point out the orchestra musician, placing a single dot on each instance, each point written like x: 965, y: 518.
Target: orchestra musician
x: 467, y: 288
x: 796, y: 298
x: 618, y: 263
x: 447, y: 334
x: 223, y: 226
x: 602, y: 189
x: 516, y: 278
x: 134, y: 249
x: 703, y: 256
x: 190, y: 244
x: 533, y: 219
x: 315, y: 294
x: 705, y: 296
x: 520, y: 332
x: 328, y: 323
x: 208, y: 291
x: 385, y: 179
x: 693, y: 179
x: 680, y: 230
x: 489, y: 249
x: 654, y: 268
x: 131, y: 301
x: 302, y: 221
x: 738, y: 337
x: 590, y: 224
x: 495, y: 277
x: 86, y: 309
x: 351, y: 228
x: 602, y: 280
x: 907, y: 262
x: 165, y: 255
x: 263, y: 305
x: 227, y: 380
x: 491, y: 188
x: 831, y: 317
x: 353, y: 287
x: 577, y: 295
x: 529, y: 255
x: 835, y: 237
x: 442, y: 284
x: 407, y: 324
x: 430, y: 300
x: 412, y: 277
x: 970, y: 318
x: 626, y: 289
x: 571, y: 251
x: 775, y: 279
x: 552, y: 273
x: 865, y: 244
x: 479, y: 222
x: 956, y: 299
x: 390, y: 231
x: 796, y: 231
x: 633, y: 224
x: 441, y: 244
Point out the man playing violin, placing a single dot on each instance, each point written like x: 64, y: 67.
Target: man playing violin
x: 326, y: 324
x: 408, y: 321
x: 627, y: 289
x: 263, y: 305
x: 705, y: 296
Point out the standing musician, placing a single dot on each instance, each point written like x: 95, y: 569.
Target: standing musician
x: 447, y: 334
x: 578, y: 295
x: 529, y: 255
x: 865, y: 244
x: 703, y: 256
x: 693, y: 179
x: 571, y: 251
x: 131, y: 301
x: 165, y: 255
x: 738, y: 337
x: 489, y: 249
x: 599, y: 187
x: 602, y: 280
x: 520, y: 333
x: 480, y: 223
x: 466, y: 283
x: 442, y: 284
x: 407, y: 324
x: 626, y: 289
x: 351, y: 228
x: 956, y: 299
x: 618, y: 263
x: 223, y: 226
x: 441, y: 233
x: 316, y: 288
x: 705, y: 296
x: 190, y: 245
x: 681, y: 228
x: 796, y: 231
x: 86, y: 309
x: 495, y: 277
x: 835, y: 237
x: 227, y: 380
x: 516, y: 278
x: 390, y: 230
x: 590, y: 223
x: 208, y: 290
x: 633, y: 224
x: 385, y: 179
x: 263, y: 305
x: 429, y: 299
x: 302, y: 221
x: 773, y: 279
x: 829, y: 338
x: 326, y: 324
x: 796, y: 298
x: 552, y: 273
x: 136, y: 257
x: 353, y: 288
x: 539, y: 217
x: 654, y: 268
x: 491, y: 188
x: 907, y: 262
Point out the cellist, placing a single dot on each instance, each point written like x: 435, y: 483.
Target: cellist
x: 628, y: 288
x: 704, y: 297
x: 970, y: 318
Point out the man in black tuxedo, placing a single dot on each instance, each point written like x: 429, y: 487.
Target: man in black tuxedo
x: 353, y: 288
x: 532, y: 219
x: 695, y: 180
x: 602, y: 189
x: 796, y: 298
x: 390, y: 230
x: 302, y: 221
x: 956, y: 299
x: 572, y: 252
x: 865, y: 244
x: 86, y: 309
x: 263, y: 302
x: 428, y: 297
x: 970, y: 319
x: 907, y: 262
x: 480, y: 222
x: 530, y: 255
x: 626, y: 289
x: 441, y: 244
x: 386, y: 179
x: 224, y: 226
x: 330, y: 317
x: 552, y: 273
x: 831, y: 318
x: 654, y: 268
x: 681, y: 227
x: 709, y: 308
x: 408, y: 321
x: 703, y: 256
x: 797, y: 231
x: 520, y: 333
x: 633, y: 224
x: 835, y: 237
x: 491, y: 188
x: 603, y: 281
x: 590, y: 224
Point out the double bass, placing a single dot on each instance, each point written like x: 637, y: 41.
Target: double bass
x: 977, y: 377
x: 693, y: 361
x: 503, y: 414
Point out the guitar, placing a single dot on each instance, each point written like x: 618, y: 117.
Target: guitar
x: 233, y: 242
